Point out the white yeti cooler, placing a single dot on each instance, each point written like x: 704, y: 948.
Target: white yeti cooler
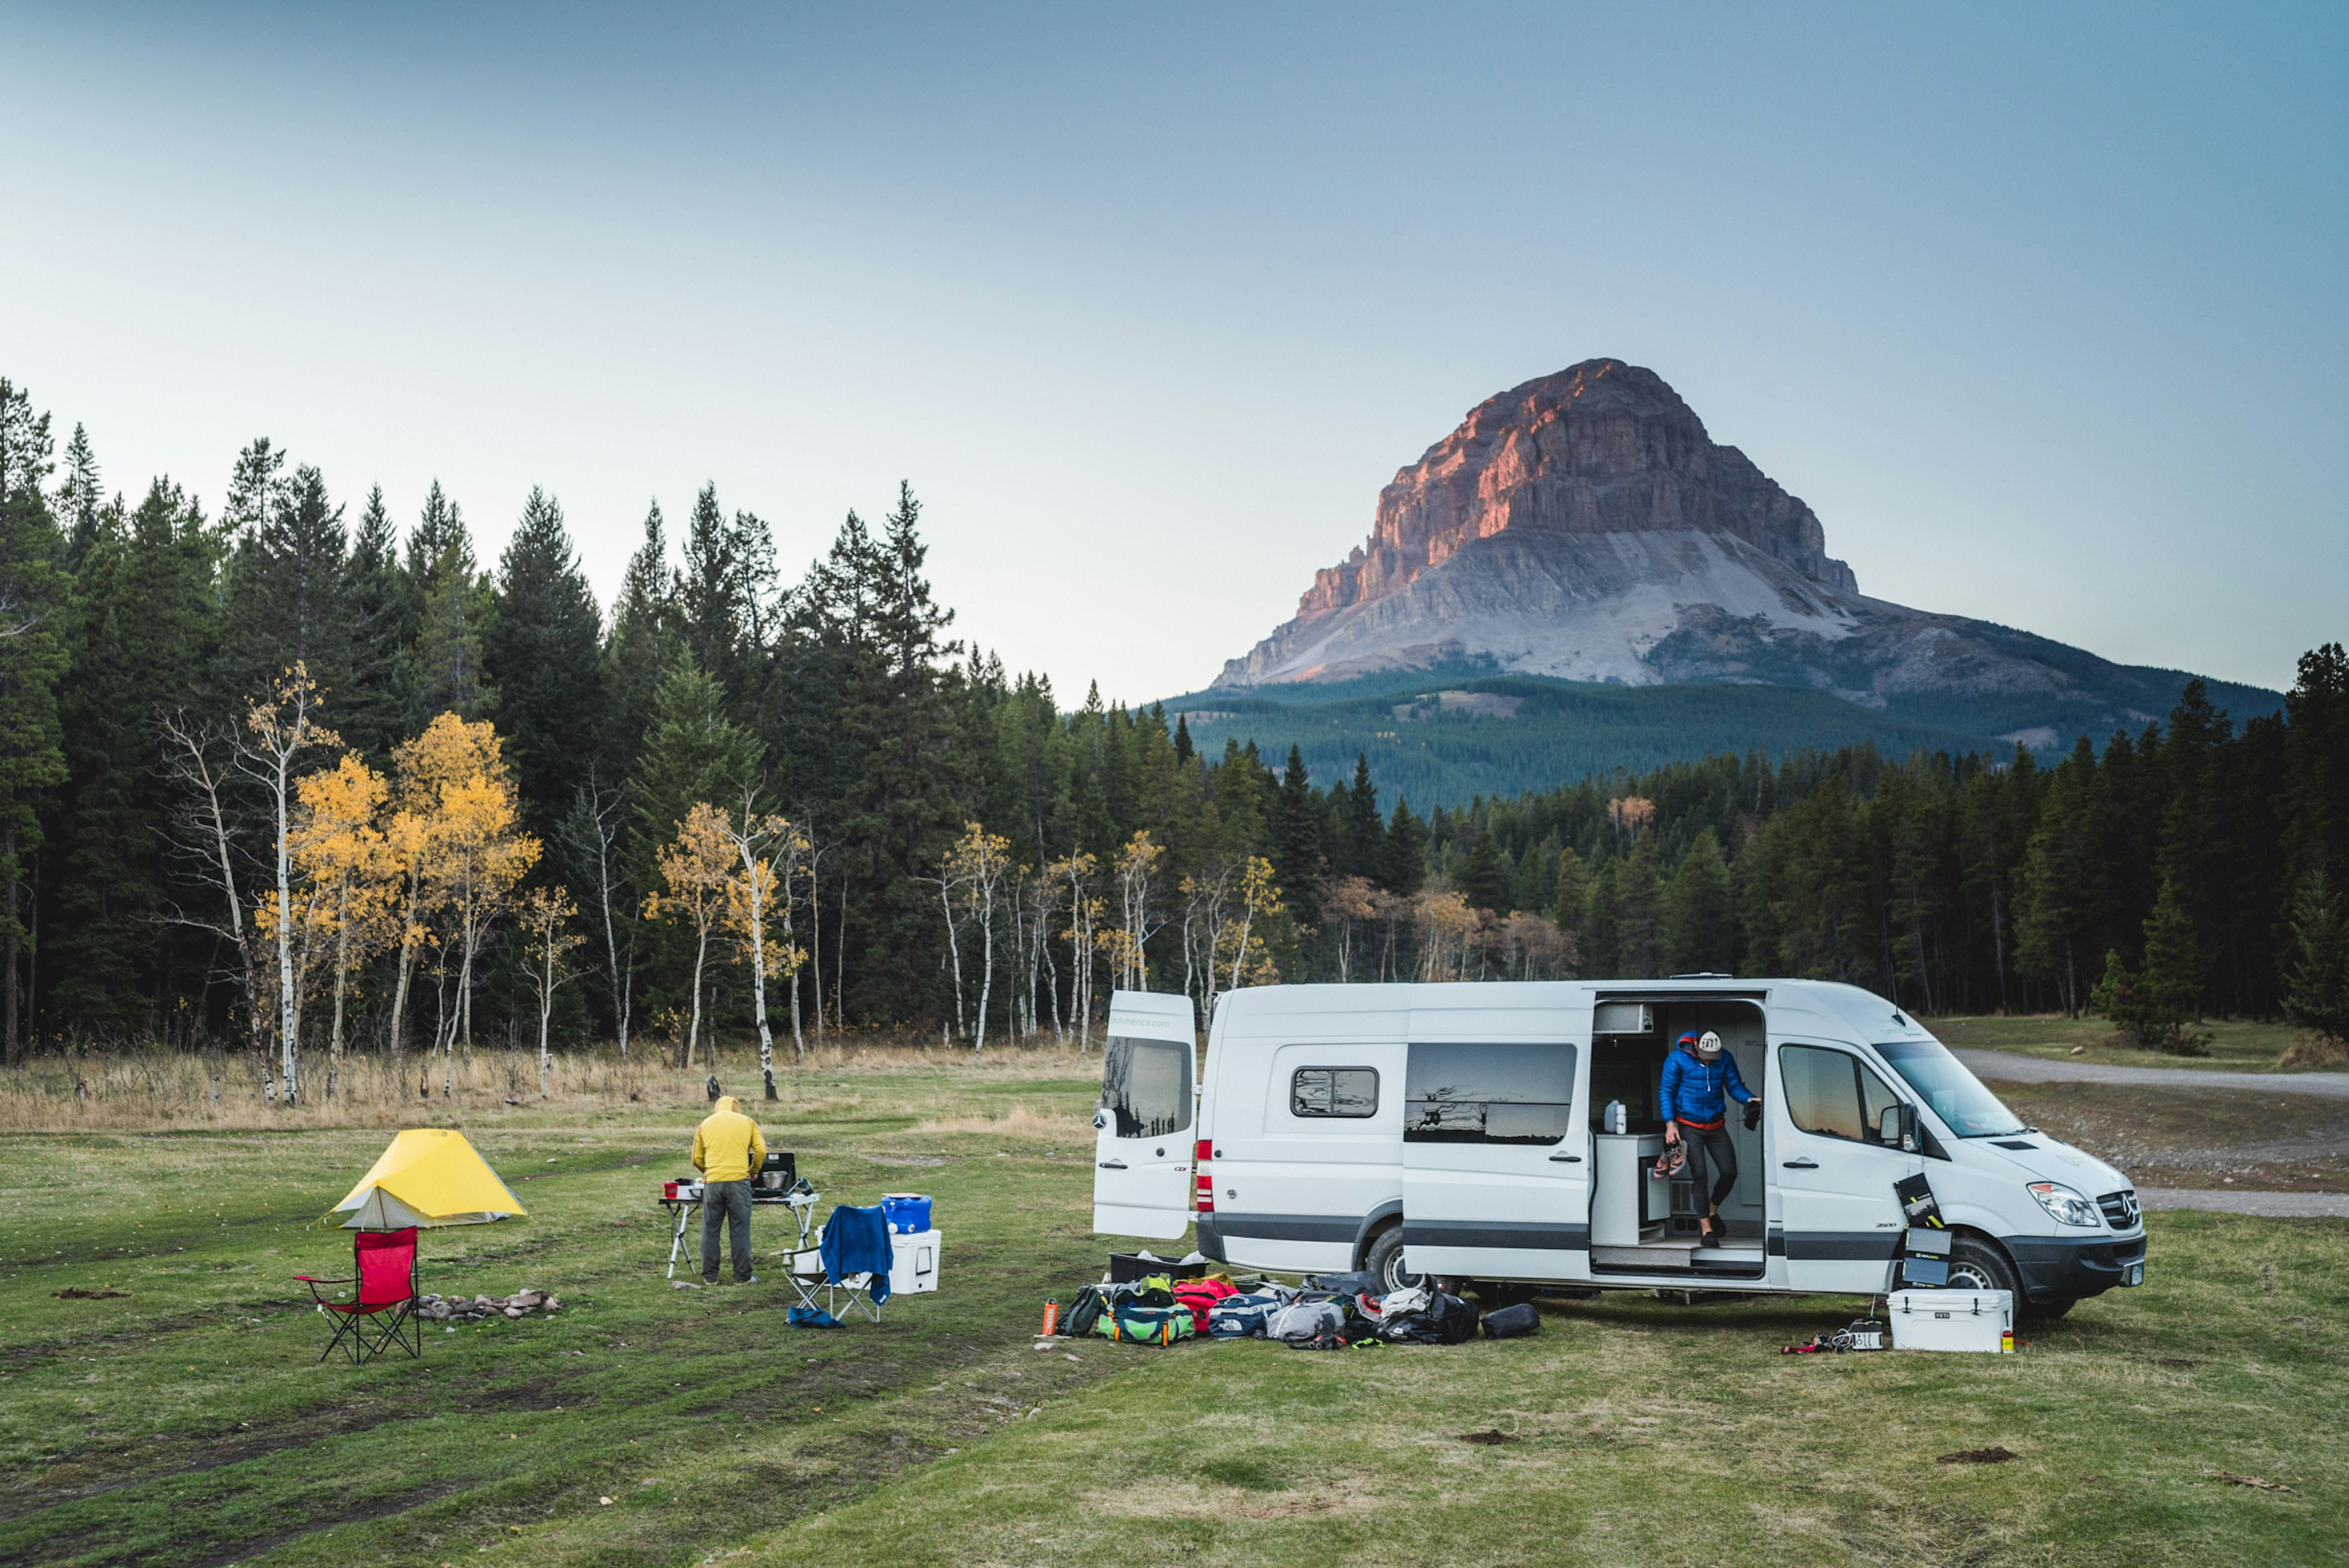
x: 913, y: 1263
x: 1950, y: 1320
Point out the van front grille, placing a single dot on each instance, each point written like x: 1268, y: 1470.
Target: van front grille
x: 2120, y: 1210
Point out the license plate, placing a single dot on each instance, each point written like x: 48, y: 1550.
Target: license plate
x: 2133, y: 1274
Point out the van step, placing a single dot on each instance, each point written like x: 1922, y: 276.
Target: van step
x: 1735, y: 1258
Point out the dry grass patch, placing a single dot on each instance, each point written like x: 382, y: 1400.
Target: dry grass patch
x: 1022, y: 1121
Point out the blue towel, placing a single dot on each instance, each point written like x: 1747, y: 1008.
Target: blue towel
x: 856, y: 1242
x: 811, y: 1317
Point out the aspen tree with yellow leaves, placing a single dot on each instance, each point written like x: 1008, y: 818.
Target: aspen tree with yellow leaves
x: 280, y: 727
x: 971, y: 883
x: 759, y: 887
x: 352, y: 877
x: 1129, y: 943
x: 1258, y: 897
x: 696, y: 867
x: 545, y: 915
x: 459, y: 834
x: 1078, y: 873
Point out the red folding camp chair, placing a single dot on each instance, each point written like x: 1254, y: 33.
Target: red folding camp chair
x: 384, y: 1313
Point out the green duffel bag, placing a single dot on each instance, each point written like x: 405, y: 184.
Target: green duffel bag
x: 1132, y: 1324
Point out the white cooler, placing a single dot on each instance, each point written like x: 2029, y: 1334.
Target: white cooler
x: 1949, y: 1320
x: 913, y: 1263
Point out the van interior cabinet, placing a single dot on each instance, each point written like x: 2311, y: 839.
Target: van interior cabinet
x: 1621, y: 1207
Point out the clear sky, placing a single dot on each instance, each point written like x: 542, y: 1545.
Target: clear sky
x: 2041, y: 308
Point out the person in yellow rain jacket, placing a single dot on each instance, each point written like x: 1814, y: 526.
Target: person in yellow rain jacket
x: 727, y: 1148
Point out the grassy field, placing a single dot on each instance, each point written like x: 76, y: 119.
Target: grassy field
x: 2235, y: 1046
x: 185, y: 1422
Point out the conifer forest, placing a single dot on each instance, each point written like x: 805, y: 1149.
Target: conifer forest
x: 287, y: 778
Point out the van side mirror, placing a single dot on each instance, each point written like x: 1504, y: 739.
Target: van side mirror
x: 1896, y: 1127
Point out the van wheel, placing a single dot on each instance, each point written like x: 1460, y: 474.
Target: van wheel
x: 1979, y: 1266
x: 1384, y: 1261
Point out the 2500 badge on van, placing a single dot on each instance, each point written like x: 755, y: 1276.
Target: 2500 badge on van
x: 1509, y: 1133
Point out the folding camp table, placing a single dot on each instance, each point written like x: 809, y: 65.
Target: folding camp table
x: 682, y: 1209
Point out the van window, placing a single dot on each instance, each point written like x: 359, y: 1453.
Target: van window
x: 1146, y: 1086
x: 1833, y: 1093
x: 1487, y: 1093
x: 1334, y: 1092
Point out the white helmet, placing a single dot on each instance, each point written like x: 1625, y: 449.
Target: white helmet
x: 1708, y: 1045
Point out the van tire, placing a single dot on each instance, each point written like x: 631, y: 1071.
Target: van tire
x: 1979, y: 1265
x: 1384, y: 1260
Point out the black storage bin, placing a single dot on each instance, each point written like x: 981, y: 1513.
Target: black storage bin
x: 1124, y: 1268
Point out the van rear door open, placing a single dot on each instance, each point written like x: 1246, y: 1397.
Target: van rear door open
x: 1142, y: 1128
x: 1496, y: 1159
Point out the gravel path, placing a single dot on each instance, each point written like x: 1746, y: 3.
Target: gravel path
x: 2275, y: 1205
x: 2022, y: 1069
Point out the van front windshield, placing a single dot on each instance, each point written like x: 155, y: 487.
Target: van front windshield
x: 1956, y: 1095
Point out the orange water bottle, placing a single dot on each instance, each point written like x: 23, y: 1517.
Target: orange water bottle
x: 1052, y: 1319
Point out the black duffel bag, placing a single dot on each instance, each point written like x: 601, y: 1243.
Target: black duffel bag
x: 1513, y: 1321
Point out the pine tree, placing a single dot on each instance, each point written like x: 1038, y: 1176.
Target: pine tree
x: 1402, y: 860
x: 643, y: 644
x: 1699, y: 919
x: 900, y: 811
x: 1484, y: 877
x: 1640, y: 910
x: 2317, y: 962
x: 32, y: 659
x: 139, y: 628
x: 284, y: 591
x: 2058, y: 883
x: 1297, y: 842
x: 692, y: 754
x: 2152, y: 1006
x: 450, y: 603
x: 80, y: 499
x: 369, y: 707
x: 542, y: 654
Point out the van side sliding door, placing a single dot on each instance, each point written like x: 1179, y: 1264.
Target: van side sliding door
x: 1496, y: 1156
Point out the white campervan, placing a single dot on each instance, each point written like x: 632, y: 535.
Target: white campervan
x: 1509, y: 1132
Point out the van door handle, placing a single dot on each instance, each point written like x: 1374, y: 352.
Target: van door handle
x: 1112, y: 1165
x: 1565, y: 1158
x: 1801, y: 1165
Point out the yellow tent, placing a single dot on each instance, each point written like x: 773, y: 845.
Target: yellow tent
x: 427, y: 1177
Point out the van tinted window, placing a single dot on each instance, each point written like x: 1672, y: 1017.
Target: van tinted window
x: 1146, y: 1087
x: 1833, y: 1093
x: 1488, y: 1093
x: 1334, y: 1092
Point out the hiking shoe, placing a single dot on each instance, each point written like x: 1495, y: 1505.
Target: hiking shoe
x: 751, y: 1281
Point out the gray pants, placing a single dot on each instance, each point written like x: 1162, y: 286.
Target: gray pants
x: 726, y: 1203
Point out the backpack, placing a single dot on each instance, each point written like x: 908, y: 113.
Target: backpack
x: 1085, y: 1311
x: 1513, y: 1321
x: 1130, y: 1325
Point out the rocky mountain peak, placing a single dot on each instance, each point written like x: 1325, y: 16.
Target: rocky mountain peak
x: 1601, y: 447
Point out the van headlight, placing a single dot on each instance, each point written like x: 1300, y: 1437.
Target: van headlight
x: 2066, y: 1206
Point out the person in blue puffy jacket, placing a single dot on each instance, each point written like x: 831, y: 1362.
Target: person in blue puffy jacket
x: 1696, y: 1076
